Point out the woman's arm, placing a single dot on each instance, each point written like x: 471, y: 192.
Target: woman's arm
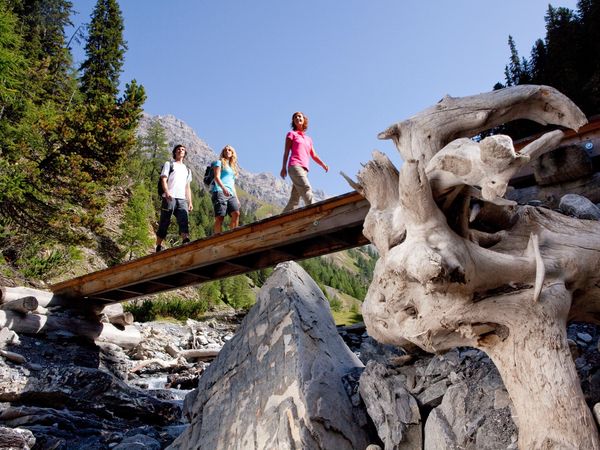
x: 314, y: 156
x: 286, y: 154
x: 217, y: 171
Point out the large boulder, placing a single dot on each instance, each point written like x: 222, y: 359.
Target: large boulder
x: 279, y: 382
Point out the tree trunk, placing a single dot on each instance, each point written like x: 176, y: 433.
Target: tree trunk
x: 538, y: 371
x: 99, y: 332
x: 22, y: 305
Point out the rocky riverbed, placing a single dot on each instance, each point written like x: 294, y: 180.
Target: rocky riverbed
x: 59, y: 392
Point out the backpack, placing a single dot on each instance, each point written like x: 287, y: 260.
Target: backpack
x: 159, y: 186
x: 209, y: 175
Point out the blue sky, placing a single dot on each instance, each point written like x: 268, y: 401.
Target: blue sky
x: 236, y: 70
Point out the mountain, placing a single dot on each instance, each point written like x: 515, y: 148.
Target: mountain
x: 263, y: 186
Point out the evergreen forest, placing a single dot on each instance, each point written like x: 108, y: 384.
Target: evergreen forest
x: 567, y: 58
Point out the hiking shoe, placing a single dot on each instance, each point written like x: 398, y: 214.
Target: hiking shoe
x: 158, y: 248
x: 185, y: 241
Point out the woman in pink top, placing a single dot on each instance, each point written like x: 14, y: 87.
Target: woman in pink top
x: 299, y: 149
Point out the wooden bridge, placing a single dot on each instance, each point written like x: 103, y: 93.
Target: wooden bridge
x: 325, y: 227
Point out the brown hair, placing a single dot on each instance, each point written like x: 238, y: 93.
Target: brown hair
x: 305, y: 121
x: 175, y: 150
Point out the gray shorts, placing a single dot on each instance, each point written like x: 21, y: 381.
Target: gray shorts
x: 224, y: 205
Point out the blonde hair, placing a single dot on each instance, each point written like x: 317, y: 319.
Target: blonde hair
x: 232, y: 163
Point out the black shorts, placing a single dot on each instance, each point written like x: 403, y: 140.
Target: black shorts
x: 224, y: 205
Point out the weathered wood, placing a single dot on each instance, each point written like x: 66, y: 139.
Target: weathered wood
x: 197, y: 353
x: 424, y: 134
x: 44, y: 298
x: 22, y: 305
x: 12, y: 356
x: 194, y: 353
x: 102, y: 332
x: 440, y: 290
x: 307, y: 232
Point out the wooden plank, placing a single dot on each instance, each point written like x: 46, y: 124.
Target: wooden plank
x: 269, y: 241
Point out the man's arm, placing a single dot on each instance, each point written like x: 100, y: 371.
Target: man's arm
x: 188, y: 196
x: 165, y: 186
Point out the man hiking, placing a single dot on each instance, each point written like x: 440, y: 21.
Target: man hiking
x: 175, y: 181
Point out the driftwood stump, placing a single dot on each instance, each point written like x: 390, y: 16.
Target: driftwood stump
x: 446, y: 278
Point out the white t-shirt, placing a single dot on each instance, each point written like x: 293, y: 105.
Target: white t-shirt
x: 178, y: 179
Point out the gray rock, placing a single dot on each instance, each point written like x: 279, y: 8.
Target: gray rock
x: 16, y: 439
x: 432, y: 396
x: 278, y: 382
x: 578, y: 206
x: 393, y: 410
x: 370, y: 349
x: 473, y: 415
x: 138, y: 442
x: 88, y: 390
x: 584, y: 337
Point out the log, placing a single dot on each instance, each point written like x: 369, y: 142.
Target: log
x: 44, y: 298
x: 23, y: 305
x: 101, y: 332
x: 203, y: 354
x: 161, y: 362
x: 12, y: 356
x: 439, y: 290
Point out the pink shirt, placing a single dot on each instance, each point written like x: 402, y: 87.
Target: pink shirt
x: 301, y: 148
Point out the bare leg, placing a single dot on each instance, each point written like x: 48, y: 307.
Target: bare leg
x: 235, y: 220
x: 218, y: 224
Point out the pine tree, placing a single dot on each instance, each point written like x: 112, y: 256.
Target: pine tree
x: 135, y: 236
x: 154, y: 146
x: 589, y: 59
x: 105, y: 51
x: 50, y: 76
x: 513, y: 71
x: 12, y: 65
x: 539, y: 62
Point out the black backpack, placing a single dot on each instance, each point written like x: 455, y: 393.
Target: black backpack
x: 209, y: 175
x: 159, y: 186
